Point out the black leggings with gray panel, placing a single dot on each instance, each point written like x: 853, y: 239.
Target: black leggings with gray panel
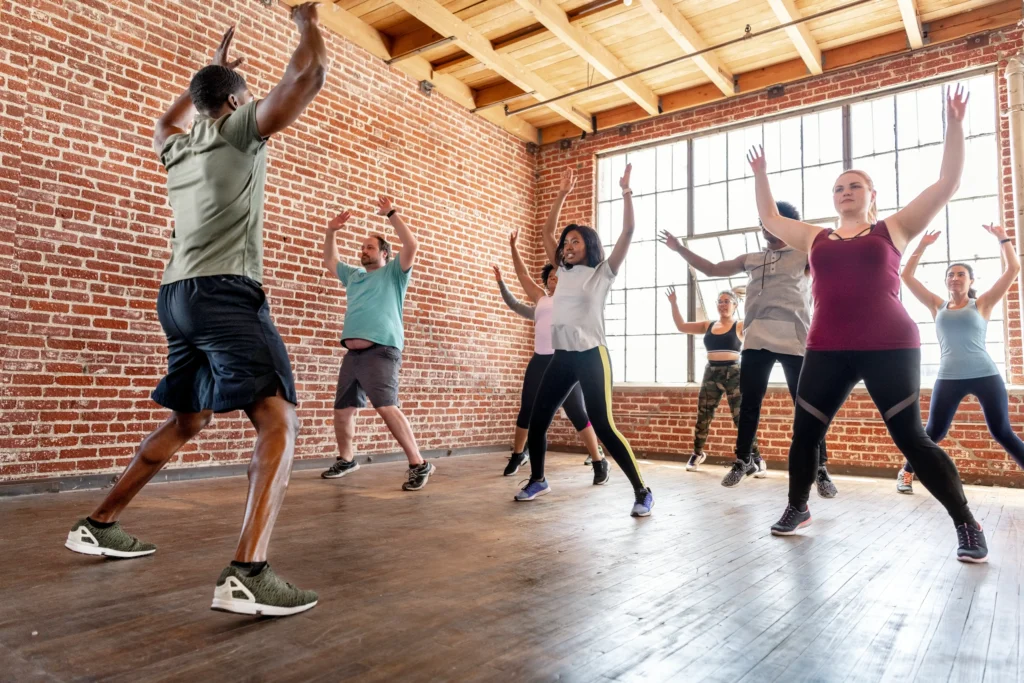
x: 893, y: 380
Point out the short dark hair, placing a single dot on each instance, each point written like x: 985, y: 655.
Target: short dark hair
x: 591, y: 240
x: 211, y: 87
x: 545, y: 273
x: 788, y: 210
x: 383, y: 245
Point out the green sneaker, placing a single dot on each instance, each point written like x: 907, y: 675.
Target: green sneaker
x: 113, y: 541
x: 264, y: 595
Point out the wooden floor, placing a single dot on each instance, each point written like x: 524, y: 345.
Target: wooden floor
x: 457, y: 582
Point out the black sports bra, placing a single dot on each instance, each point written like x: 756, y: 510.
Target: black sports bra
x: 727, y: 341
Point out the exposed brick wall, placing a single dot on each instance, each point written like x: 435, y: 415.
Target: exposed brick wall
x: 660, y: 420
x: 85, y: 224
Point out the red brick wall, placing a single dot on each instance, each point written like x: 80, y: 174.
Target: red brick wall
x: 660, y: 420
x: 85, y: 224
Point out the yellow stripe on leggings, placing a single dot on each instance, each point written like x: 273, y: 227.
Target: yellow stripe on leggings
x: 607, y: 367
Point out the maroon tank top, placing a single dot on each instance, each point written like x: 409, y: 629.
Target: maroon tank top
x: 856, y: 289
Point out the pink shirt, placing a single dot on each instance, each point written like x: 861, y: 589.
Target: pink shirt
x: 542, y: 315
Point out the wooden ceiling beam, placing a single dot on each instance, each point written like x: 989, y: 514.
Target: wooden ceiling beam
x: 671, y: 21
x: 908, y: 9
x: 806, y: 45
x: 1000, y: 15
x: 357, y: 31
x: 548, y: 13
x: 434, y: 15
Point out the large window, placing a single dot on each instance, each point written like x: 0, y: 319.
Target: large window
x: 701, y: 189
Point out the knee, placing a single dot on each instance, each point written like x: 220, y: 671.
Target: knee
x: 187, y: 425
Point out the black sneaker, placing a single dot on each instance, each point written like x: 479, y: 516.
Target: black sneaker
x: 973, y: 547
x: 516, y: 461
x: 601, y: 475
x: 339, y: 469
x: 826, y: 489
x: 792, y: 520
x: 418, y: 477
x: 740, y: 470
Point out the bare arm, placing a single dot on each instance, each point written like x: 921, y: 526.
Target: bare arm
x: 911, y: 220
x: 407, y: 256
x: 179, y: 116
x: 551, y: 224
x: 796, y: 234
x: 988, y: 300
x: 677, y: 317
x: 303, y: 78
x: 626, y: 238
x: 722, y: 268
x: 533, y: 290
x: 330, y: 247
x: 916, y: 287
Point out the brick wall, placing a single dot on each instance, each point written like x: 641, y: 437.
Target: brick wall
x: 660, y: 420
x: 84, y: 227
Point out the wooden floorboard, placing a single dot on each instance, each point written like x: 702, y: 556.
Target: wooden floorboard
x: 457, y: 582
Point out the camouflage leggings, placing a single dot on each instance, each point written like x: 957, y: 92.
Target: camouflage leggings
x: 718, y: 380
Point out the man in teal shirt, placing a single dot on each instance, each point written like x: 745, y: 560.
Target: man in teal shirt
x: 374, y: 337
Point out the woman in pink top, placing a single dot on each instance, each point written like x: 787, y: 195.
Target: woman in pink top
x: 861, y: 331
x: 574, y: 406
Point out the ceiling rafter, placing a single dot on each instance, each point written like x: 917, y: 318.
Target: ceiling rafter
x: 686, y: 36
x: 915, y: 36
x: 806, y: 45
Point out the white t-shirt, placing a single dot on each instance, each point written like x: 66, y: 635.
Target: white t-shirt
x: 578, y: 318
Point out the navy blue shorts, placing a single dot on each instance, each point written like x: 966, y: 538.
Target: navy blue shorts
x: 223, y: 351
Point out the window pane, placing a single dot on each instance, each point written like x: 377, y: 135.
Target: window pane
x: 671, y: 268
x: 641, y: 180
x: 830, y: 135
x: 919, y: 168
x: 981, y: 168
x: 790, y: 138
x: 605, y: 181
x: 640, y: 264
x: 666, y: 325
x: 672, y: 213
x: 664, y: 154
x: 967, y: 239
x: 614, y: 222
x: 787, y: 187
x: 742, y: 205
x: 640, y: 359
x: 741, y: 140
x: 981, y: 108
x: 709, y: 155
x: 862, y: 135
x: 679, y: 167
x: 671, y: 359
x: 644, y: 220
x: 709, y: 208
x: 640, y: 307
x: 818, y: 183
x: 617, y: 355
x: 604, y: 221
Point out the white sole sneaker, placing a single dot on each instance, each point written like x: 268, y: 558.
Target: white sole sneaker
x: 761, y: 473
x: 73, y: 543
x: 223, y: 601
x: 794, y: 532
x: 542, y: 492
x: 340, y: 474
x: 700, y: 459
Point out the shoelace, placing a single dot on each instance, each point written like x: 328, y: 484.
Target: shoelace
x: 907, y: 478
x: 641, y: 497
x: 967, y: 535
x: 790, y: 513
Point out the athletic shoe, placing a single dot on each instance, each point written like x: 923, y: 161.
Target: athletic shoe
x: 791, y: 521
x: 589, y: 461
x: 111, y: 541
x: 762, y: 469
x: 644, y: 503
x: 515, y: 461
x: 973, y: 547
x: 339, y: 469
x: 418, y: 476
x: 905, y: 481
x: 826, y: 489
x: 532, y: 490
x: 601, y: 474
x: 263, y: 595
x: 695, y: 460
x: 740, y: 470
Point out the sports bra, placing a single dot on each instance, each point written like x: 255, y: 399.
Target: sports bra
x: 727, y: 341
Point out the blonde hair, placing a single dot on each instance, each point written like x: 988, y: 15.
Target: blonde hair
x: 873, y: 209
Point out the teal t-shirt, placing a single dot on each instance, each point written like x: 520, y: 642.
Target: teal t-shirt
x: 375, y: 303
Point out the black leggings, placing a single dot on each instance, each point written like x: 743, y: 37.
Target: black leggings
x: 755, y: 369
x: 991, y: 392
x: 593, y: 370
x: 574, y: 407
x: 893, y: 380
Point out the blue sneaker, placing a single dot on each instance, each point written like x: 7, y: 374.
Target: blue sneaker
x: 532, y: 490
x: 644, y: 503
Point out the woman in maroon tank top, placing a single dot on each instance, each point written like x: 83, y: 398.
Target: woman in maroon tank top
x: 861, y: 331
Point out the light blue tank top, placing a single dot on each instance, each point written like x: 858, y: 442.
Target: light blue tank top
x: 961, y: 335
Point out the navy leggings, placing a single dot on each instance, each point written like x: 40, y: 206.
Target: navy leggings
x: 991, y: 392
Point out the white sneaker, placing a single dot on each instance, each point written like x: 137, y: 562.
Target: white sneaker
x: 695, y: 460
x: 762, y: 469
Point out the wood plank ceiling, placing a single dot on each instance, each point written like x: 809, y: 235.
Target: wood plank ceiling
x: 540, y: 68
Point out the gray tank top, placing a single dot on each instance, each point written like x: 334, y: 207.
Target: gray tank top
x: 778, y: 303
x: 961, y: 334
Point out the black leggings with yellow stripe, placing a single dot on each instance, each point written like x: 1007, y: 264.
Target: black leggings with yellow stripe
x: 593, y: 370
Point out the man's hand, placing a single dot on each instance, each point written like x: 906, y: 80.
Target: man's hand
x: 338, y: 222
x: 497, y: 273
x: 220, y: 55
x: 384, y: 205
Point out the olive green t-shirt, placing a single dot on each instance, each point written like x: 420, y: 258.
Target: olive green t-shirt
x: 215, y: 178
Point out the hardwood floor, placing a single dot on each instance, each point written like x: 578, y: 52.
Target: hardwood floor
x: 457, y: 582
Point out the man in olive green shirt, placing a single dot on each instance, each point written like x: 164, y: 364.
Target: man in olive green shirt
x: 224, y: 352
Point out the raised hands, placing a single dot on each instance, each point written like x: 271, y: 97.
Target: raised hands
x: 220, y: 55
x: 513, y: 238
x: 670, y: 240
x: 384, y: 205
x: 755, y: 157
x: 305, y: 14
x: 928, y: 239
x: 671, y: 294
x: 567, y: 181
x: 956, y: 103
x: 497, y: 273
x: 338, y: 222
x: 624, y: 180
x: 997, y: 231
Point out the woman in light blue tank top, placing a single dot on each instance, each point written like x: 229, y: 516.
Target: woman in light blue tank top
x: 965, y: 367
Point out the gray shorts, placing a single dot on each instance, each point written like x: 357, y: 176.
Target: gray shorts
x: 372, y: 373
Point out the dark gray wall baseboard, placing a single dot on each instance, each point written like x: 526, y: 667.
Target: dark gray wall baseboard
x: 101, y: 481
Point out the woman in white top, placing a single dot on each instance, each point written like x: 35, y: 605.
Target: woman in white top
x: 574, y: 406
x: 577, y: 336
